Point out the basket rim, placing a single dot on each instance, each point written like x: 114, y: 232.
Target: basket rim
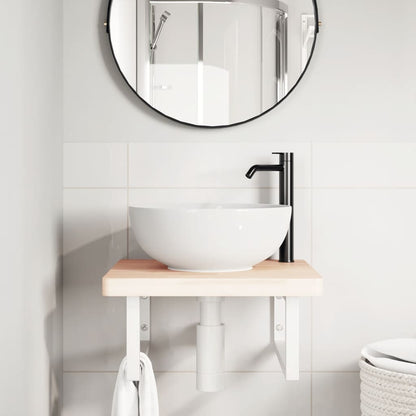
x: 366, y: 366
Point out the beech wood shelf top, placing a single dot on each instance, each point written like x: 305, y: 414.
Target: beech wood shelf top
x: 269, y: 278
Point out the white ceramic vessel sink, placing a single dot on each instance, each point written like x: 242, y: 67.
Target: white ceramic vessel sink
x: 210, y: 237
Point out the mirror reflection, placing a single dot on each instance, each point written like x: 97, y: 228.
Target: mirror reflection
x: 212, y: 63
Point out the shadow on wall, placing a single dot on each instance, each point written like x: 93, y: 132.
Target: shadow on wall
x: 53, y: 342
x: 93, y: 325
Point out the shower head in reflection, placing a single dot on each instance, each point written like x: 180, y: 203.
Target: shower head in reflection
x: 156, y: 36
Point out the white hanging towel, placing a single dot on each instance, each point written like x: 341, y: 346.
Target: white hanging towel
x: 148, y: 400
x: 127, y: 401
x: 398, y: 355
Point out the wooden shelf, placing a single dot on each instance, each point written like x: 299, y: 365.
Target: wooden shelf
x: 269, y: 278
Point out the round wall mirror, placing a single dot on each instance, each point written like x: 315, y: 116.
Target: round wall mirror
x: 212, y: 63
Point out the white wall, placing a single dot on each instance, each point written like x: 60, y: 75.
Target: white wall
x: 31, y: 208
x: 351, y: 126
x: 352, y: 91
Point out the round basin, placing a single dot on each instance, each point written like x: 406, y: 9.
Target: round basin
x: 210, y: 237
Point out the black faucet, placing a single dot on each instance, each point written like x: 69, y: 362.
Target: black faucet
x: 285, y: 169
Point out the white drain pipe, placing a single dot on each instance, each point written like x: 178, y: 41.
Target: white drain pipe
x: 210, y: 346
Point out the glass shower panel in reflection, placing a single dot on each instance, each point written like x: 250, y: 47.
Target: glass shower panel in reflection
x: 214, y: 62
x: 174, y: 60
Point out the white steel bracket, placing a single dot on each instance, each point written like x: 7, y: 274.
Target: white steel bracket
x: 286, y: 334
x: 137, y: 333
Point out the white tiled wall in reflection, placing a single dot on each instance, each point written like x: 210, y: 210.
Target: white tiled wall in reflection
x: 354, y: 220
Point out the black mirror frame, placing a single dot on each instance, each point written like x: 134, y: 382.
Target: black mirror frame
x: 317, y: 23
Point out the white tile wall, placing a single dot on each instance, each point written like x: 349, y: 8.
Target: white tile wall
x: 211, y: 165
x: 95, y: 165
x: 336, y: 394
x: 265, y: 394
x: 364, y: 165
x: 247, y: 337
x: 354, y: 221
x: 88, y: 394
x: 363, y: 244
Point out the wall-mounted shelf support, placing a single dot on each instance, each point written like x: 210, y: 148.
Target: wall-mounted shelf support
x: 137, y: 333
x: 286, y: 334
x: 285, y: 282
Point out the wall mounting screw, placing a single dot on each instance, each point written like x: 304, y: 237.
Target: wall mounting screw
x: 279, y: 327
x: 144, y: 327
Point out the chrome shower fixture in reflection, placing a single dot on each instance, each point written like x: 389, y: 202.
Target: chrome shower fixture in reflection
x: 156, y: 36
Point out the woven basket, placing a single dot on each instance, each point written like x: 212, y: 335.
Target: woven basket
x: 386, y: 393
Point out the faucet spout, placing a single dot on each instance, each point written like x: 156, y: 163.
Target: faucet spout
x: 250, y: 173
x: 263, y: 168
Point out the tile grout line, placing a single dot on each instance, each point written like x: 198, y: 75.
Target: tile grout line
x: 311, y: 256
x: 192, y: 188
x: 128, y: 199
x: 194, y: 372
x: 94, y: 188
x: 364, y: 188
x: 311, y: 389
x: 80, y: 141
